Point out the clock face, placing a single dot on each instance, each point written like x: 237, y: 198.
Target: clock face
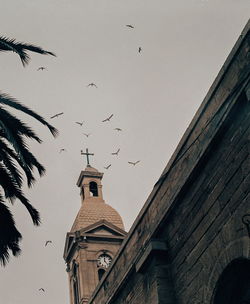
x: 104, y: 260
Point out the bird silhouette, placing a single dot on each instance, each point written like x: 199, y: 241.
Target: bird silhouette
x: 139, y: 49
x: 108, y: 119
x: 134, y: 163
x: 116, y: 153
x: 41, y: 68
x: 118, y: 129
x: 92, y: 85
x: 47, y: 242
x: 56, y: 115
x: 62, y: 150
x: 41, y: 289
x: 79, y: 123
x: 130, y: 26
x: 87, y: 134
x: 107, y: 167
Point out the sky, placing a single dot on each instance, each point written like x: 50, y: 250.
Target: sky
x: 152, y: 95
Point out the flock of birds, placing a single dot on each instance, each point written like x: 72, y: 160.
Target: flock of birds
x: 88, y: 134
x: 81, y: 123
x: 92, y: 84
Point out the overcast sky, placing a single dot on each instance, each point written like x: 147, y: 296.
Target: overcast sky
x: 153, y: 96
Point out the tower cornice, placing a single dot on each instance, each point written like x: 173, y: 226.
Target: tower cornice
x: 88, y: 173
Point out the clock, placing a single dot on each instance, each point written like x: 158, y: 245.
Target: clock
x: 104, y: 260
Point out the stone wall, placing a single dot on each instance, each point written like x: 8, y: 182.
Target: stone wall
x: 191, y: 226
x: 205, y: 230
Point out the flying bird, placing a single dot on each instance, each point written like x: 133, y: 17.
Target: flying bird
x: 79, y: 123
x: 116, y: 153
x: 134, y: 163
x: 87, y: 134
x: 41, y: 68
x: 139, y: 49
x: 56, y: 115
x: 108, y: 119
x: 92, y: 85
x: 41, y: 289
x: 130, y: 26
x: 107, y: 167
x: 47, y: 242
x: 118, y: 129
x: 62, y: 150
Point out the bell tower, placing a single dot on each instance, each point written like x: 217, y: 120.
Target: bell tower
x: 94, y: 238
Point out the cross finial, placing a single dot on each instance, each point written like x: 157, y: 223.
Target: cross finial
x: 87, y: 154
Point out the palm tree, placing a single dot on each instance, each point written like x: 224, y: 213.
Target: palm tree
x: 16, y: 161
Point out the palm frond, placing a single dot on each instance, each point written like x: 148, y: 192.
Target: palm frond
x: 7, y: 44
x: 12, y: 102
x: 9, y: 235
x: 21, y: 148
x: 12, y: 192
x: 6, y: 149
x: 11, y: 167
x: 20, y: 127
x: 8, y: 184
x: 32, y: 211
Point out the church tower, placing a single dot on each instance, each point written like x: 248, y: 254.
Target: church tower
x: 94, y: 238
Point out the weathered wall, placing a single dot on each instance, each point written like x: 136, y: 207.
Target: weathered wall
x: 207, y: 222
x: 194, y: 211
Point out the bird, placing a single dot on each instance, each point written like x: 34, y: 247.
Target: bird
x: 92, y: 85
x: 139, y: 49
x: 87, y: 134
x: 62, y: 150
x: 116, y: 153
x: 79, y: 123
x: 130, y: 26
x: 56, y: 115
x: 41, y: 289
x: 107, y: 167
x: 108, y: 119
x: 134, y: 163
x: 118, y: 129
x: 47, y: 242
x: 41, y: 68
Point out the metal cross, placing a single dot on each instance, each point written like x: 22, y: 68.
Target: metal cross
x: 87, y: 154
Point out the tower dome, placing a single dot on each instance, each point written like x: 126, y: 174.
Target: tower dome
x: 94, y: 208
x: 93, y: 212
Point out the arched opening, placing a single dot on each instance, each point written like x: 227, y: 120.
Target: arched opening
x: 75, y: 283
x: 100, y: 273
x: 93, y: 189
x: 82, y: 193
x: 233, y: 286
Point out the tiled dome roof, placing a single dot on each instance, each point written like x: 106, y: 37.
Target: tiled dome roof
x: 92, y: 212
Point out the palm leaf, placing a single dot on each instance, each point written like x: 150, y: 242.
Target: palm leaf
x: 21, y: 128
x: 12, y: 192
x: 6, y: 149
x: 7, y: 44
x: 11, y: 167
x: 9, y: 235
x: 21, y: 148
x: 12, y: 102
